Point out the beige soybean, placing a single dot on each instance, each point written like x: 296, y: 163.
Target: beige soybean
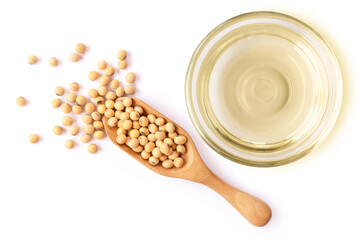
x: 96, y: 116
x: 80, y: 48
x: 57, y: 130
x: 138, y: 149
x: 163, y: 157
x: 178, y: 162
x: 122, y: 64
x: 109, y: 70
x: 111, y: 95
x: 158, y: 143
x: 59, y: 91
x: 32, y: 59
x: 151, y: 118
x: 180, y: 139
x: 113, y: 121
x: 99, y: 100
x: 114, y: 84
x: 67, y: 121
x: 170, y: 152
x: 53, y: 62
x: 74, y: 57
x: 170, y: 127
x: 134, y: 115
x: 87, y: 119
x: 81, y: 100
x: 22, y: 102
x: 151, y: 137
x: 168, y: 141
x: 102, y: 65
x: 121, y: 131
x: 74, y: 86
x: 98, y: 125
x: 130, y: 77
x: 77, y: 109
x: 164, y: 148
x: 93, y: 75
x: 159, y: 121
x: 139, y: 109
x: 124, y: 116
x: 144, y: 131
x: 162, y: 128
x: 174, y: 155
x: 119, y: 105
x: 109, y: 104
x: 127, y: 101
x: 66, y: 108
x: 101, y: 108
x: 104, y: 80
x: 129, y: 89
x: 172, y: 135
x: 181, y: 149
x: 127, y: 125
x: 89, y: 108
x: 156, y: 152
x: 129, y: 109
x: 167, y: 164
x: 143, y: 140
x: 153, y: 160
x: 89, y: 129
x: 121, y: 55
x: 92, y: 148
x: 145, y: 155
x: 102, y: 90
x: 160, y: 135
x: 133, y: 142
x: 109, y: 113
x: 33, y: 138
x: 134, y: 133
x: 69, y: 144
x: 144, y: 122
x: 93, y: 93
x: 99, y: 134
x: 85, y: 138
x: 149, y: 146
x: 120, y: 91
x: 136, y: 125
x: 71, y: 97
x: 153, y: 128
x: 56, y: 103
x: 121, y: 139
x: 74, y: 130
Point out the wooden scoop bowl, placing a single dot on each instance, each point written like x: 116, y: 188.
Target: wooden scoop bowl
x: 194, y: 169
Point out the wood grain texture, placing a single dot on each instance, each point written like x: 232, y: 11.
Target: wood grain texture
x: 194, y: 169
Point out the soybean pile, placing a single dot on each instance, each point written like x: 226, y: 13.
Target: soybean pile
x: 154, y: 139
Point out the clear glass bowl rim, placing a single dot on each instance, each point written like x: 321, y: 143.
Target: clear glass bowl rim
x: 213, y: 142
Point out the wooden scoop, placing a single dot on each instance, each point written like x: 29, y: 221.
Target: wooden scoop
x: 194, y: 169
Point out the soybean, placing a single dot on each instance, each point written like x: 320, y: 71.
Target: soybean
x: 21, y: 101
x: 57, y: 130
x: 34, y: 138
x: 74, y: 57
x: 92, y: 148
x: 69, y: 144
x: 32, y: 59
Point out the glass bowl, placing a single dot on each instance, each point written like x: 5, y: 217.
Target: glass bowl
x: 212, y: 99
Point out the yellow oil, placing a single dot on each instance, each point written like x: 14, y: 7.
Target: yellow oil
x: 263, y: 89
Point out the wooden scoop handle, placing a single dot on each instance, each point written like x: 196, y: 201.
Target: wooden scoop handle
x: 255, y: 210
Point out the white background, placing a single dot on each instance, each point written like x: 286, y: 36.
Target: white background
x: 48, y: 192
